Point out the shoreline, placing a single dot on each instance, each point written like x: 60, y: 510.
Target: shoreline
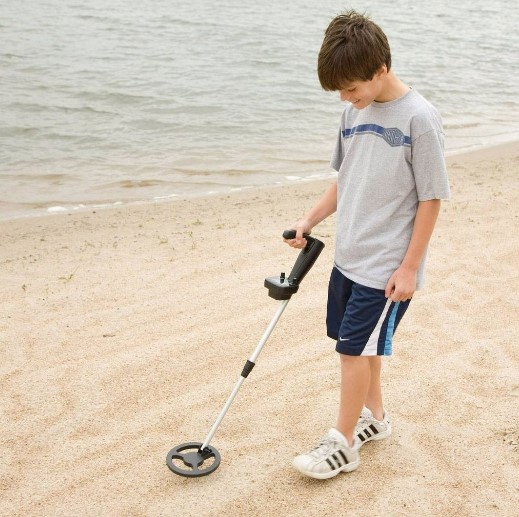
x: 124, y: 330
x: 174, y: 198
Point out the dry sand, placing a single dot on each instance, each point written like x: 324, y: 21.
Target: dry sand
x: 123, y: 331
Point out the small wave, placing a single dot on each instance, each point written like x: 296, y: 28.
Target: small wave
x: 82, y: 109
x: 303, y: 161
x: 138, y: 183
x: 169, y: 196
x: 56, y: 209
x: 12, y: 56
x: 50, y: 178
x: 461, y: 126
x: 112, y: 97
x: 91, y: 17
x: 214, y: 170
x: 149, y: 124
x: 61, y: 209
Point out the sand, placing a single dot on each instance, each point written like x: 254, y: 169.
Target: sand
x: 123, y: 332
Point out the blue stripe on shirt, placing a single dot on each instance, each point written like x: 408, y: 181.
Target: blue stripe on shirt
x: 393, y: 136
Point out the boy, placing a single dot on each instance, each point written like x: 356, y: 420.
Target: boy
x: 391, y: 178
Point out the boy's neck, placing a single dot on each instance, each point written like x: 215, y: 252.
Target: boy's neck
x: 392, y: 88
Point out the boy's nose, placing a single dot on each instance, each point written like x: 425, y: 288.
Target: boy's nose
x: 344, y: 95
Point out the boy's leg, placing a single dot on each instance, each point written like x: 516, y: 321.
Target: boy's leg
x: 374, y: 397
x: 374, y: 423
x: 355, y: 384
x: 362, y: 321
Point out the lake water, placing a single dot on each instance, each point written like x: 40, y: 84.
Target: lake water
x: 125, y: 101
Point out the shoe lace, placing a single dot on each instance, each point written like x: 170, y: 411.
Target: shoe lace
x: 366, y: 421
x: 362, y: 422
x: 323, y: 447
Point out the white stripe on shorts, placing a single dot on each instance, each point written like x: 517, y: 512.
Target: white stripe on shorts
x: 372, y: 344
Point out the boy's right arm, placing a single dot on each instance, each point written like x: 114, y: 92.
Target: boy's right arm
x: 326, y: 206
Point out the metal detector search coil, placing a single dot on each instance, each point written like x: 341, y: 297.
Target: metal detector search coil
x: 196, y: 459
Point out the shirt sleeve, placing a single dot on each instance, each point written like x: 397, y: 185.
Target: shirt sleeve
x: 429, y: 168
x: 338, y: 153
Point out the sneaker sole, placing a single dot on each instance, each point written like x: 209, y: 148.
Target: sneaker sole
x: 327, y: 475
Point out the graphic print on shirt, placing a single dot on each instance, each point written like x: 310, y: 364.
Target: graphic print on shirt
x: 392, y: 135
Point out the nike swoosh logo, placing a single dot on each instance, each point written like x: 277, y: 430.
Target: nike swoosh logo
x: 344, y: 339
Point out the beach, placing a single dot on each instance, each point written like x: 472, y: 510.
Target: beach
x: 123, y: 331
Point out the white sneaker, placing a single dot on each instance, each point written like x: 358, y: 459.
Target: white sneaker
x: 369, y: 428
x: 330, y: 457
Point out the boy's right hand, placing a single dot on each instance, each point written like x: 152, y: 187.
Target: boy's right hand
x: 300, y: 227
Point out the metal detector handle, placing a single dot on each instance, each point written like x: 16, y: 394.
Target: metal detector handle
x: 306, y: 258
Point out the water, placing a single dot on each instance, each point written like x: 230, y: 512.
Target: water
x: 125, y: 101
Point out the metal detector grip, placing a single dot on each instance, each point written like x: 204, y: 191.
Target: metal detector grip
x: 281, y: 288
x: 306, y: 258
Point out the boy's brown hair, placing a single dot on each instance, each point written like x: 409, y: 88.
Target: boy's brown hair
x: 354, y: 48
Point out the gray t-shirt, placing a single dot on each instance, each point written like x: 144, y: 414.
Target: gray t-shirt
x: 388, y: 157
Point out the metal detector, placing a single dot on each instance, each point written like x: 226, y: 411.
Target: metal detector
x: 196, y: 459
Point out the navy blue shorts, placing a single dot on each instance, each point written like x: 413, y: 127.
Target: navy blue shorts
x: 361, y: 319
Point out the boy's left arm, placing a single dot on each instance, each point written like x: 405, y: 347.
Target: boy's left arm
x: 402, y: 284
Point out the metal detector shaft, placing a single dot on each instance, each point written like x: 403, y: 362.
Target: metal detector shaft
x: 249, y: 365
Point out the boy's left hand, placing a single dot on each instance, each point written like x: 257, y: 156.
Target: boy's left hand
x: 402, y: 285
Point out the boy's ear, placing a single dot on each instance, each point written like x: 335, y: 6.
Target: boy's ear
x: 381, y: 72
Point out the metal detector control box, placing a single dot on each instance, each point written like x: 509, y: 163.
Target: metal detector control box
x: 279, y: 287
x: 282, y: 288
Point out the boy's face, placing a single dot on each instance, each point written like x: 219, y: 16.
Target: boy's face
x: 363, y: 93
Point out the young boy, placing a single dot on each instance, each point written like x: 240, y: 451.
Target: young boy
x: 391, y: 178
